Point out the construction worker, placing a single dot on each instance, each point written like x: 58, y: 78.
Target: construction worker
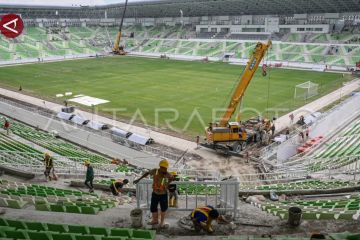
x: 173, y: 194
x: 161, y: 180
x: 307, y: 131
x: 49, y: 164
x: 202, y: 218
x: 89, y: 176
x: 7, y: 126
x: 117, y: 185
x: 272, y: 128
x: 287, y: 133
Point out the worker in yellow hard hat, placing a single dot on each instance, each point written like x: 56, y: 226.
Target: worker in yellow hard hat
x: 161, y: 179
x: 173, y: 192
x: 202, y: 218
x: 49, y: 165
x: 89, y: 176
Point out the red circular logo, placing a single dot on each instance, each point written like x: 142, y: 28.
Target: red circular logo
x: 11, y: 25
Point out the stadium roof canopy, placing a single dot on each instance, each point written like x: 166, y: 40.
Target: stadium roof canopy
x: 190, y: 8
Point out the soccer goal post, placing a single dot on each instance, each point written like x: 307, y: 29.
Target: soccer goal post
x: 306, y: 90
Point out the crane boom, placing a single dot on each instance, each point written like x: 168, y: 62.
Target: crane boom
x: 246, y: 77
x: 116, y: 48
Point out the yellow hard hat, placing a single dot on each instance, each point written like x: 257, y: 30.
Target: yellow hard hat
x: 47, y: 154
x: 87, y: 162
x: 164, y: 163
x: 173, y: 173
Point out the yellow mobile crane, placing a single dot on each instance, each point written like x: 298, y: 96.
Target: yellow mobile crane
x: 232, y: 137
x: 117, y: 49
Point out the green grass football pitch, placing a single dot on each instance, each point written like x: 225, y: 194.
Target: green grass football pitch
x: 154, y: 89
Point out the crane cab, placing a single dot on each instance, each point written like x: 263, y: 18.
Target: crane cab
x: 232, y: 132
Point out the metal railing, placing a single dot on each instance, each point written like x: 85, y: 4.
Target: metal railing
x: 225, y: 198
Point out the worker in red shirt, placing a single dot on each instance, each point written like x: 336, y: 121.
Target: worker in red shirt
x: 307, y: 131
x: 7, y: 126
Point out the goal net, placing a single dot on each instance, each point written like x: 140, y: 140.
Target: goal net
x: 306, y: 90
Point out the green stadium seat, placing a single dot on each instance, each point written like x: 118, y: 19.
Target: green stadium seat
x: 16, y: 234
x: 72, y: 209
x: 326, y: 216
x: 40, y: 200
x: 35, y: 226
x: 57, y: 228
x: 346, y: 216
x: 142, y: 234
x: 89, y: 210
x: 41, y: 194
x: 84, y: 237
x: 353, y: 237
x: 3, y: 202
x: 62, y: 236
x: 42, y: 207
x: 349, y: 207
x: 78, y: 229
x: 57, y: 208
x: 99, y: 231
x: 39, y: 235
x: 4, y: 228
x: 102, y: 207
x: 3, y: 222
x: 120, y: 232
x: 16, y: 224
x: 309, y: 216
x: 113, y: 238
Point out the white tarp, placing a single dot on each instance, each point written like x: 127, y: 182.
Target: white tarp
x: 281, y: 138
x: 139, y: 139
x: 64, y: 115
x: 95, y: 125
x: 88, y: 101
x: 311, y: 118
x: 78, y: 120
x: 119, y: 132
